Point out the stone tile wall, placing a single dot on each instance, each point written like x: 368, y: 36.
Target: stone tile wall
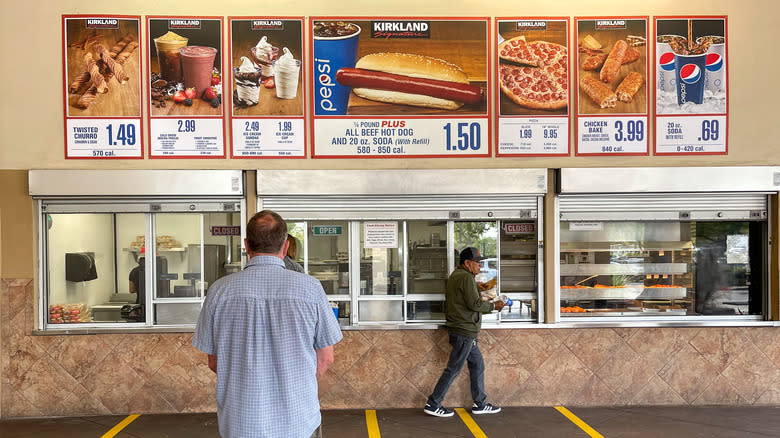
x: 155, y: 373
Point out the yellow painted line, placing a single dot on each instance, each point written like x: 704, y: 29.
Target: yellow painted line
x: 121, y: 425
x: 372, y: 424
x: 581, y: 424
x: 470, y: 423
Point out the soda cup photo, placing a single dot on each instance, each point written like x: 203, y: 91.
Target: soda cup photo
x: 715, y: 66
x: 335, y: 47
x: 689, y: 73
x: 664, y: 60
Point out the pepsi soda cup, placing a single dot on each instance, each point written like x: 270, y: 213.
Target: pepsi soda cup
x: 335, y: 47
x: 664, y: 59
x: 715, y: 66
x: 689, y: 73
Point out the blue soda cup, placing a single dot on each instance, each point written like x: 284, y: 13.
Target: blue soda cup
x: 689, y: 71
x: 330, y: 54
x: 335, y: 308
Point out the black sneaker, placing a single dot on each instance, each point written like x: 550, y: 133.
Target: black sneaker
x: 440, y: 411
x: 485, y: 408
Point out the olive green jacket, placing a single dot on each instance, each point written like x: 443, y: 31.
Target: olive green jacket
x: 464, y: 305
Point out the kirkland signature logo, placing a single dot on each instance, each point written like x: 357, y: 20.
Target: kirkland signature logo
x: 531, y: 25
x: 102, y: 23
x: 184, y: 24
x: 267, y: 25
x: 400, y: 29
x: 610, y: 24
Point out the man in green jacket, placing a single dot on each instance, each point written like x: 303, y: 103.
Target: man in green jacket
x: 464, y: 320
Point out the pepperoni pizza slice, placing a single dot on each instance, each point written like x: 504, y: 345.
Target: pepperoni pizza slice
x: 540, y: 81
x: 536, y: 53
x: 536, y: 88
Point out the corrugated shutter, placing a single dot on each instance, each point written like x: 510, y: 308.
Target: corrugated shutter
x: 361, y: 206
x: 724, y: 206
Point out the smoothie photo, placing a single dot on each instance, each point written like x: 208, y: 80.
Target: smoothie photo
x: 197, y: 63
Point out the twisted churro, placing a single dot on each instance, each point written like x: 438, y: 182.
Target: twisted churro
x: 87, y: 98
x: 128, y: 50
x: 94, y: 72
x: 121, y: 45
x: 115, y: 67
x: 81, y: 80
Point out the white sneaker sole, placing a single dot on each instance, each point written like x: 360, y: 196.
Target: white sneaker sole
x: 494, y: 411
x: 439, y: 415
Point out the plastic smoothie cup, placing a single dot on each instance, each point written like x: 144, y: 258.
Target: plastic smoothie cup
x: 197, y: 63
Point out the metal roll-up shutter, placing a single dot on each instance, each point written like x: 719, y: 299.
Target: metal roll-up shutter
x: 665, y: 206
x: 406, y: 206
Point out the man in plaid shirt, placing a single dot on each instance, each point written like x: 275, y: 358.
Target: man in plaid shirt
x: 269, y: 334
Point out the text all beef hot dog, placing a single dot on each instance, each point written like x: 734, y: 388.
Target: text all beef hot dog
x: 408, y: 79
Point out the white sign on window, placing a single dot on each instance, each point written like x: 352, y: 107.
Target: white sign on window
x: 586, y: 226
x: 380, y: 235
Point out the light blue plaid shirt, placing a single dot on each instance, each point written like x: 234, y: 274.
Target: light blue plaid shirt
x: 264, y: 325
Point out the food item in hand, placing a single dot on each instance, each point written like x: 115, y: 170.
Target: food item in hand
x: 615, y: 59
x: 627, y: 89
x: 409, y: 79
x: 600, y: 93
x: 590, y: 42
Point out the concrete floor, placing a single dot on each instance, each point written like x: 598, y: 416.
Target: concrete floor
x: 609, y: 422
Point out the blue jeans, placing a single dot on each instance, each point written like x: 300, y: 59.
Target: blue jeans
x: 464, y: 349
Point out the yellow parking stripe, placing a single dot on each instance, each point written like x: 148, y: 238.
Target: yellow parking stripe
x: 470, y: 423
x: 372, y: 424
x: 581, y: 424
x: 121, y: 425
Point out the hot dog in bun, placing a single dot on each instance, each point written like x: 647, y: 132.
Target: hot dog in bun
x: 408, y: 79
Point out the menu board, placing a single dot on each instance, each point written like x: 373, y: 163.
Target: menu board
x: 399, y: 87
x: 691, y: 86
x: 185, y: 87
x: 532, y: 86
x: 611, y: 77
x: 102, y: 86
x: 267, y: 106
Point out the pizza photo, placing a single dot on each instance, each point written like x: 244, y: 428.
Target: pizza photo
x: 533, y: 67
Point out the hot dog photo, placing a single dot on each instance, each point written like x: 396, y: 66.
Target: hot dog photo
x: 392, y: 67
x: 611, y: 66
